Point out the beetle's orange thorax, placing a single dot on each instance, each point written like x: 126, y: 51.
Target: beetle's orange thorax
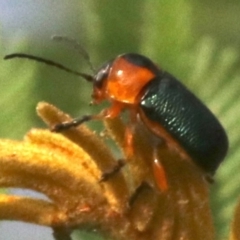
x: 125, y: 81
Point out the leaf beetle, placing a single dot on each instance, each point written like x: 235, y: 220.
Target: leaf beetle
x: 165, y: 106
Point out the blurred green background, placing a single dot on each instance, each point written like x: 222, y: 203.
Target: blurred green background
x: 197, y: 41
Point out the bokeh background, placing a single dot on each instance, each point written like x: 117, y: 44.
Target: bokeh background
x: 197, y: 41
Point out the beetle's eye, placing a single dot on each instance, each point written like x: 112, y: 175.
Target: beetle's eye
x: 102, y: 75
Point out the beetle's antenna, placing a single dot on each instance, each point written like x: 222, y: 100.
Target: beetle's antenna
x: 77, y: 46
x: 49, y: 62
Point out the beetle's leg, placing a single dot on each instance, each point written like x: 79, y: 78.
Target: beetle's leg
x: 159, y: 172
x: 128, y: 141
x: 74, y: 123
x: 137, y: 192
x: 110, y: 112
x: 129, y: 132
x: 106, y: 175
x: 128, y: 138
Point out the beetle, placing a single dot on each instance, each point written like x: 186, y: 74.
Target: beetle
x: 164, y: 105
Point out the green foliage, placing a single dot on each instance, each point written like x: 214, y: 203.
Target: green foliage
x: 163, y: 31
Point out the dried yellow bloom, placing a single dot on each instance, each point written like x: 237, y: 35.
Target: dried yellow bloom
x: 67, y: 167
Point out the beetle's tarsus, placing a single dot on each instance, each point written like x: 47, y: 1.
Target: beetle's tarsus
x: 106, y: 175
x: 74, y: 123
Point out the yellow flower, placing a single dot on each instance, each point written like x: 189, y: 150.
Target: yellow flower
x: 67, y: 168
